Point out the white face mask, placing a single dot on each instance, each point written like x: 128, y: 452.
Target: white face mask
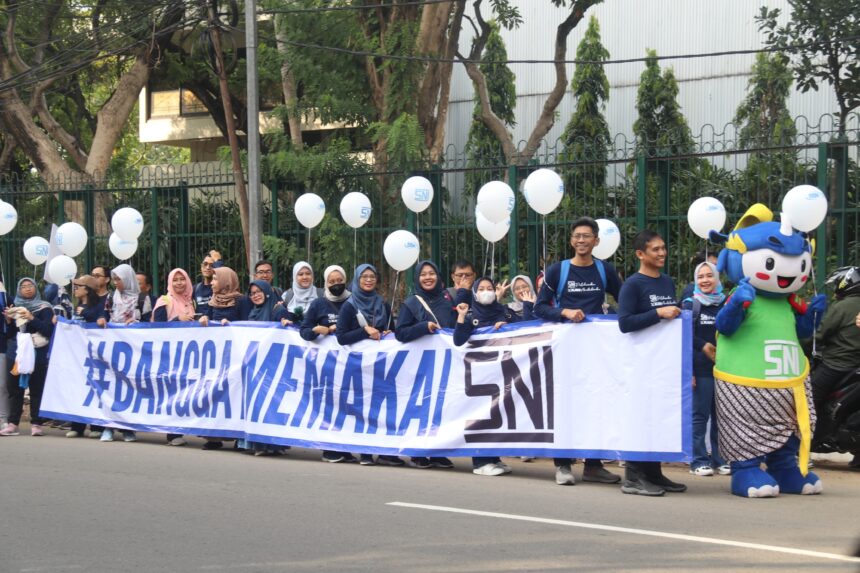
x: 485, y: 297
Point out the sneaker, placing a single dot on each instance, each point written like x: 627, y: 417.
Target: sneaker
x: 213, y: 445
x: 702, y: 471
x: 128, y: 436
x: 563, y: 476
x: 526, y: 459
x: 641, y: 486
x: 107, y: 435
x: 10, y: 430
x: 73, y: 434
x: 420, y: 463
x: 725, y: 470
x: 671, y: 486
x: 95, y: 434
x: 442, y: 463
x: 599, y: 474
x: 505, y: 467
x: 489, y: 470
x: 392, y: 461
x: 180, y: 441
x: 36, y: 430
x: 333, y: 457
x: 366, y: 460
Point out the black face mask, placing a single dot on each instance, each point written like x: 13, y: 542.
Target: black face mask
x: 337, y: 289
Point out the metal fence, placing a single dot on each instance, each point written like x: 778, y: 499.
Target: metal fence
x: 191, y: 209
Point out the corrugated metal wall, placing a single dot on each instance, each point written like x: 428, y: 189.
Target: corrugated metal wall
x: 710, y: 89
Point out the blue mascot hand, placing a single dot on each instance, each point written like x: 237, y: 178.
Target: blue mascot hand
x: 817, y: 305
x: 744, y: 292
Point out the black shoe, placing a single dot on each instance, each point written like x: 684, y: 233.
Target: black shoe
x: 367, y: 460
x: 390, y: 461
x: 641, y: 486
x: 420, y: 463
x: 654, y: 474
x: 442, y: 463
x: 333, y: 457
x: 213, y: 445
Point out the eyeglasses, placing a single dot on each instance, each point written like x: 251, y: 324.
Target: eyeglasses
x: 264, y: 271
x: 370, y: 278
x: 206, y: 265
x: 579, y: 236
x: 463, y: 275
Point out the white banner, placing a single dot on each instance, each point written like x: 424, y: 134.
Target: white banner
x: 537, y: 389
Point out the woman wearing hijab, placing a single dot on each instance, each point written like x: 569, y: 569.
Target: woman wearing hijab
x: 227, y: 304
x: 123, y: 304
x: 423, y: 313
x: 298, y: 299
x: 485, y: 311
x: 706, y: 302
x: 32, y: 315
x: 523, y: 292
x: 264, y: 308
x: 122, y: 308
x: 176, y: 306
x: 89, y: 308
x: 320, y: 319
x: 365, y: 315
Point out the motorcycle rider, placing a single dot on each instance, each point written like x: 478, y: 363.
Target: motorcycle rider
x: 839, y: 340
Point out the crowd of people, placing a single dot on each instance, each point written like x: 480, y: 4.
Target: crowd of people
x: 569, y: 291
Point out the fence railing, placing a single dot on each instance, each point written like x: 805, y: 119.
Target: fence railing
x: 191, y: 209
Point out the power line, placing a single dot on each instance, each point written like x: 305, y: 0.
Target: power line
x: 354, y: 8
x: 430, y: 59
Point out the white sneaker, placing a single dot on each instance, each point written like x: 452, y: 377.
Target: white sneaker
x: 563, y: 476
x: 177, y: 442
x: 505, y: 467
x: 489, y: 470
x: 107, y: 435
x: 95, y: 434
x: 702, y: 471
x: 725, y: 470
x: 72, y: 434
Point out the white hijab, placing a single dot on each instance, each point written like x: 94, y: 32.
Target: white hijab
x: 124, y: 306
x: 302, y: 297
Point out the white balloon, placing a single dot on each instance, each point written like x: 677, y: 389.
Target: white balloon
x: 610, y: 239
x: 401, y: 250
x: 706, y: 214
x: 806, y: 207
x: 72, y: 239
x: 417, y: 193
x: 36, y: 250
x: 355, y: 209
x: 543, y: 190
x: 491, y: 232
x: 8, y: 217
x: 496, y: 201
x: 127, y: 223
x: 62, y: 270
x: 310, y: 210
x: 121, y: 248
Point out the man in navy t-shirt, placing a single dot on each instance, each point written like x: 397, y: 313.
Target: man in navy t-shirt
x: 583, y: 292
x: 203, y: 290
x: 646, y: 298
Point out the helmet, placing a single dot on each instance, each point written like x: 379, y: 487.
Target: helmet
x: 846, y: 281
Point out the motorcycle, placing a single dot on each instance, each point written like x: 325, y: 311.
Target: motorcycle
x: 840, y: 418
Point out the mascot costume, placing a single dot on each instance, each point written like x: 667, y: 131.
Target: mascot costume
x: 764, y: 403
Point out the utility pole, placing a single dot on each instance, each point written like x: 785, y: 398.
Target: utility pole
x: 255, y: 230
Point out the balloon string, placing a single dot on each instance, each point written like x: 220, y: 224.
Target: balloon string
x: 309, y: 245
x: 354, y: 248
x: 544, y: 242
x: 493, y: 261
x: 814, y: 293
x: 393, y: 300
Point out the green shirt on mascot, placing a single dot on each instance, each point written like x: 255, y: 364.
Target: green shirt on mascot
x: 763, y: 396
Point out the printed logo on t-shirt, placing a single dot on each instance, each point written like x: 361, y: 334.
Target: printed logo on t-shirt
x: 580, y: 287
x: 332, y: 318
x: 658, y: 300
x: 707, y: 319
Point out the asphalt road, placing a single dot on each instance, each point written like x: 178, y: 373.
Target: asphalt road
x: 82, y: 505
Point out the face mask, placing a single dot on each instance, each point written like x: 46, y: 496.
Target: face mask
x: 337, y: 289
x: 485, y: 297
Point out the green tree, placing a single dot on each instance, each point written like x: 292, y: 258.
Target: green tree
x: 483, y: 148
x: 586, y: 136
x: 660, y: 129
x: 821, y: 38
x: 764, y: 126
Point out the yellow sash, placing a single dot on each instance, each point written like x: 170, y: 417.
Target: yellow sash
x: 801, y: 407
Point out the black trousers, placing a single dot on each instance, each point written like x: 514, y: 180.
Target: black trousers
x: 16, y: 394
x: 824, y: 381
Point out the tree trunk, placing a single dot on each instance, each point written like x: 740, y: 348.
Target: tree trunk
x: 238, y: 174
x: 288, y: 84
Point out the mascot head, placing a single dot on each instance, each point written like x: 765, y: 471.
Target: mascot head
x: 774, y: 257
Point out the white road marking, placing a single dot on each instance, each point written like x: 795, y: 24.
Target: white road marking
x: 678, y: 536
